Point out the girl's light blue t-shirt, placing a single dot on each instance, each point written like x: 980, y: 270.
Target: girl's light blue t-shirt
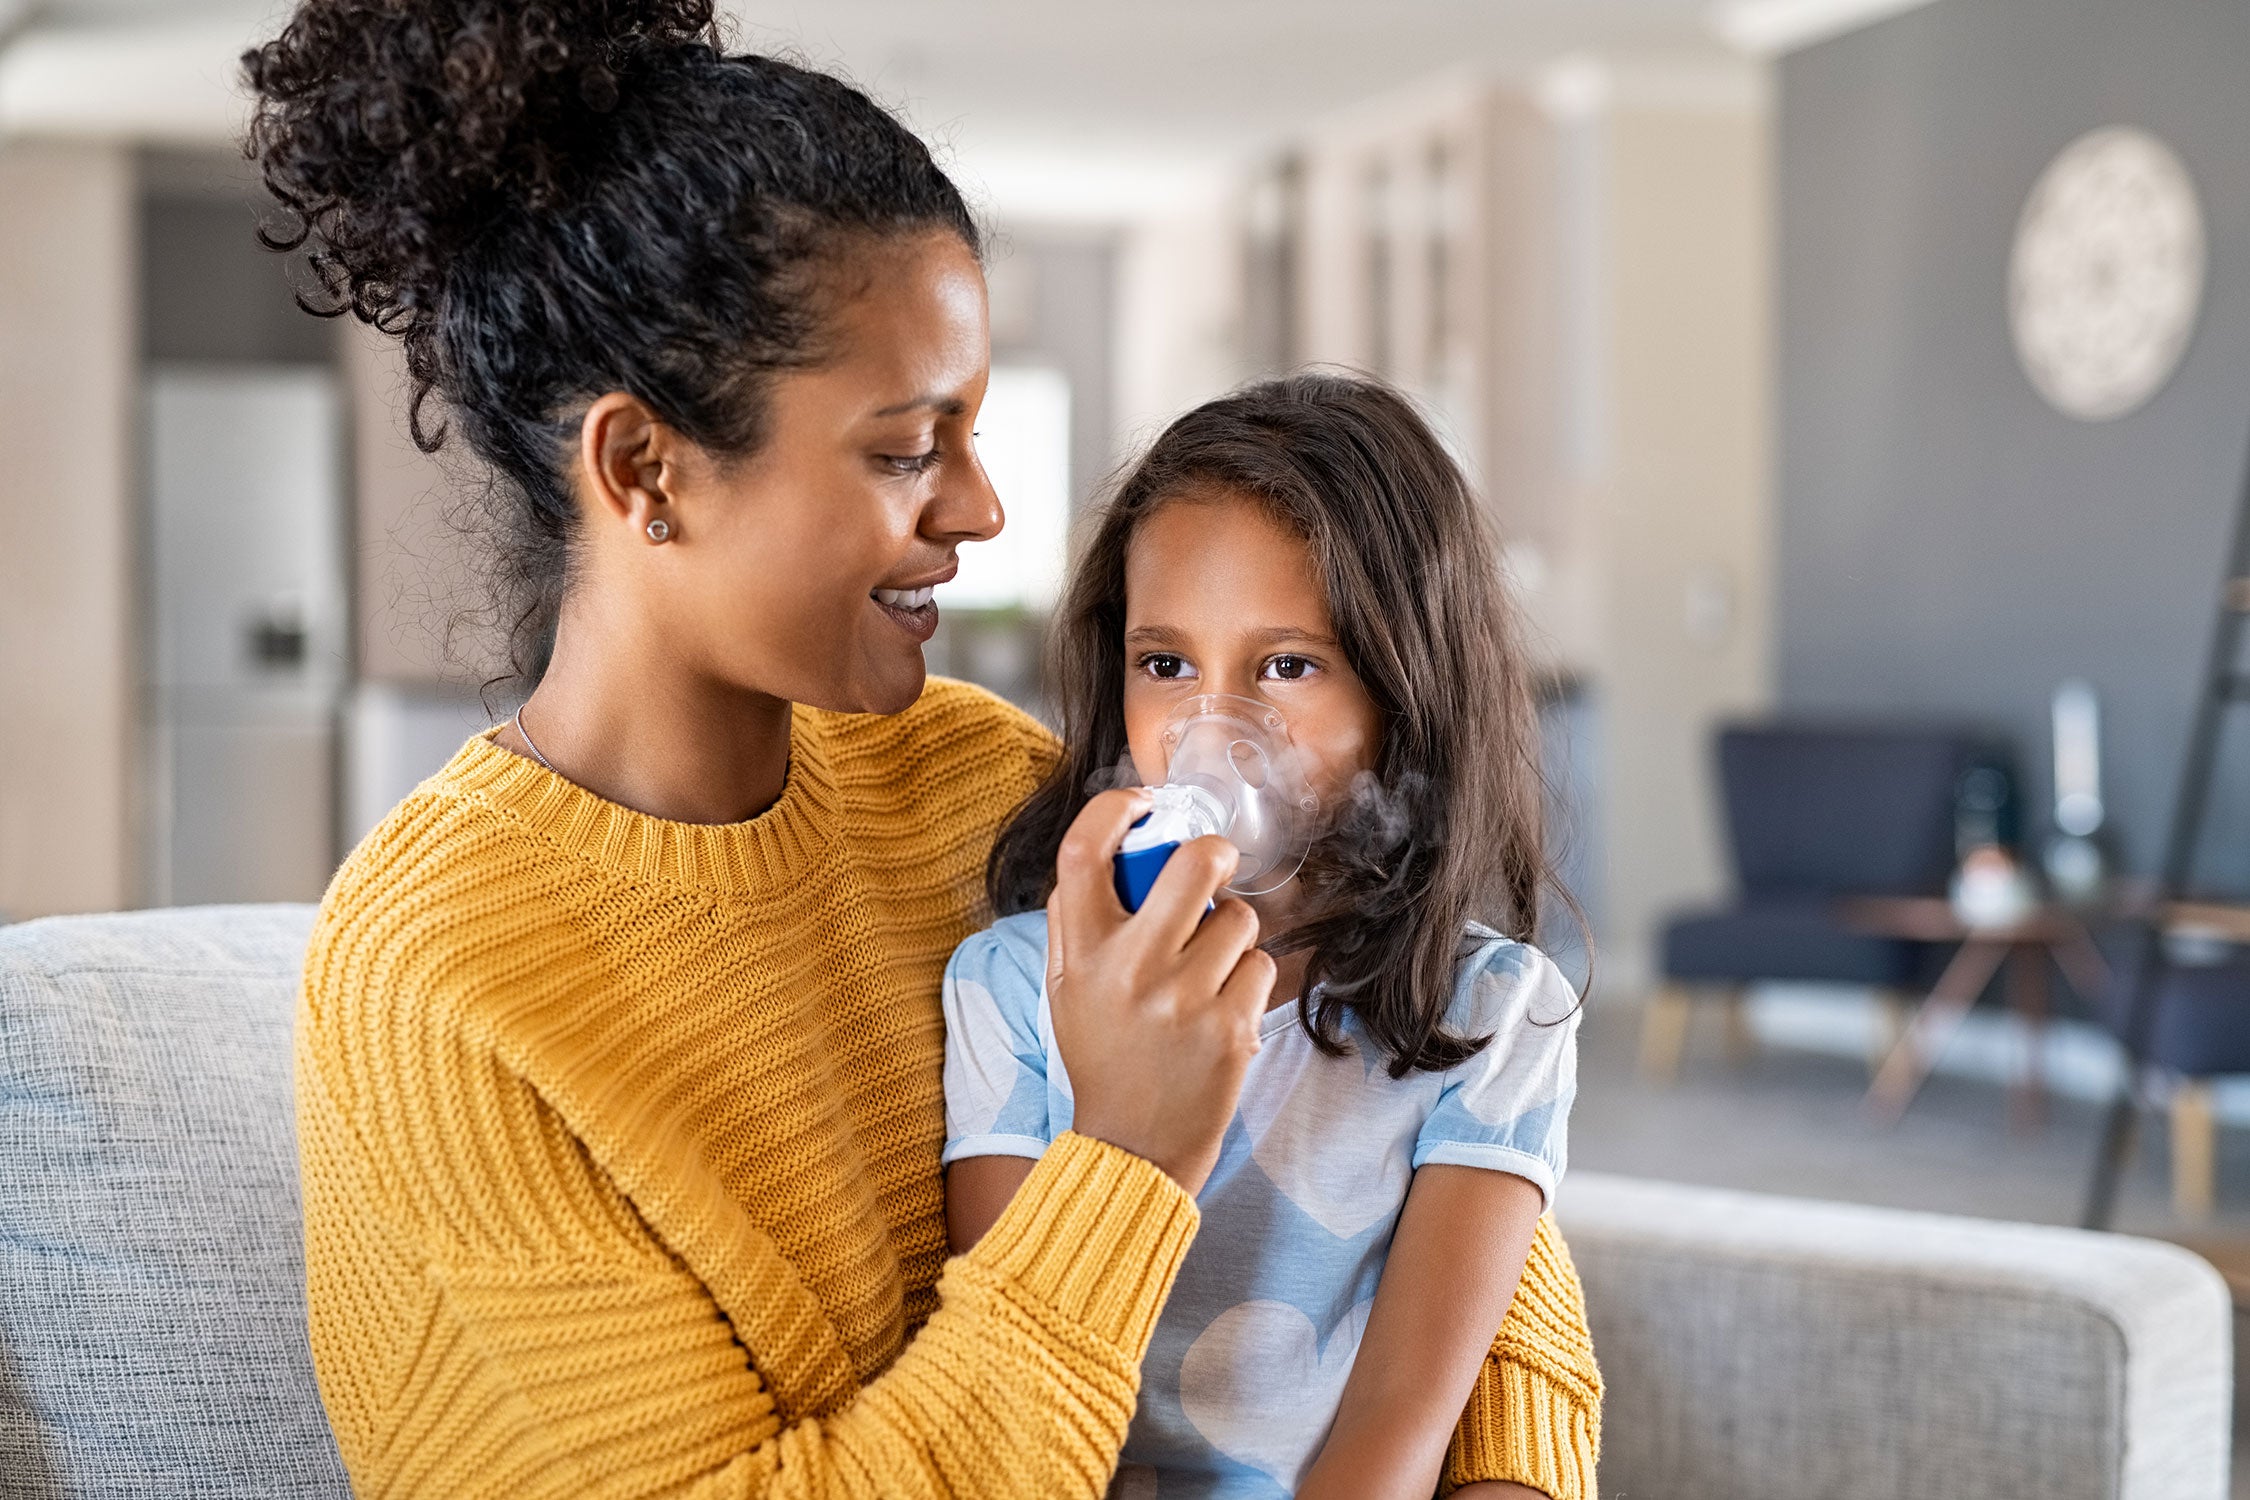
x: 1249, y: 1358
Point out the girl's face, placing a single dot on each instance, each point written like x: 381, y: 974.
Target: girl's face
x: 1221, y: 598
x: 814, y: 555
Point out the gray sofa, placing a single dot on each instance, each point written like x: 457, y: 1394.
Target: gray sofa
x: 152, y: 1332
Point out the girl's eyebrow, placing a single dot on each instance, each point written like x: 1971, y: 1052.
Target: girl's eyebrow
x: 1272, y: 635
x: 1264, y: 635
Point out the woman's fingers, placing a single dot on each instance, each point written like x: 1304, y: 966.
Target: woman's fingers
x: 1249, y: 990
x: 1217, y: 947
x: 1185, y: 889
x: 1085, y: 892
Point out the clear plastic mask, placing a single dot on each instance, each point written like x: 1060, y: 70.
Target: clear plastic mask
x: 1231, y: 769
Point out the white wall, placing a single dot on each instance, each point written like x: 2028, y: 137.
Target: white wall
x: 68, y: 647
x: 1179, y: 315
x: 1685, y: 526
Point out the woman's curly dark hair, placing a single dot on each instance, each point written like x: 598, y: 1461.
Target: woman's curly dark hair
x: 548, y: 201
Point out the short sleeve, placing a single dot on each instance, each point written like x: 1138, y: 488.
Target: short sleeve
x: 995, y: 1059
x: 1507, y: 1109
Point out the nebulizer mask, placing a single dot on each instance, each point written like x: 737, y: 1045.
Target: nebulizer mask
x: 1229, y: 769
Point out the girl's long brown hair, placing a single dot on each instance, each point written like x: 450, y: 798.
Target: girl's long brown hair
x: 1450, y: 830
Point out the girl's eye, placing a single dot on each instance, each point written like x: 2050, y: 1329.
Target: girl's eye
x: 1166, y: 667
x: 913, y: 463
x: 1288, y: 669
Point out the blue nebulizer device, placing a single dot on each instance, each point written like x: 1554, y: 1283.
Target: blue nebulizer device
x: 1229, y: 769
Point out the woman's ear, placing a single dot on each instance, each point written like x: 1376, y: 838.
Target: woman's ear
x: 629, y: 462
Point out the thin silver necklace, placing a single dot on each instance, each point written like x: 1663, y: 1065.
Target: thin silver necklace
x: 527, y: 741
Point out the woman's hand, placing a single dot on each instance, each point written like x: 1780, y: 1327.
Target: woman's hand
x: 1156, y: 1012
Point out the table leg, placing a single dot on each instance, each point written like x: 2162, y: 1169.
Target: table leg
x: 1935, y: 1021
x: 2027, y: 997
x: 2082, y: 963
x: 2194, y: 1157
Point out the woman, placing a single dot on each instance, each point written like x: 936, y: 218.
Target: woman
x: 619, y: 1053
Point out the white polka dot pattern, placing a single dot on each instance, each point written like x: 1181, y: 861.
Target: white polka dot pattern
x: 1253, y: 1369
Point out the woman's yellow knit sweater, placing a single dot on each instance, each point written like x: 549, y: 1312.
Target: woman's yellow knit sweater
x: 620, y: 1143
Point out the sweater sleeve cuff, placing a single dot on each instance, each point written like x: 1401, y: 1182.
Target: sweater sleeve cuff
x: 1548, y: 1438
x: 1097, y: 1234
x: 1535, y: 1417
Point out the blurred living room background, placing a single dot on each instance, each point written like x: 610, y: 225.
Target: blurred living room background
x: 1858, y: 386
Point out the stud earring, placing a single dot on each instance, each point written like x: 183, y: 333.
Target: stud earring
x: 660, y: 530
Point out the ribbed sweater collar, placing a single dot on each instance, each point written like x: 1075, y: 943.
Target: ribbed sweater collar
x: 726, y: 859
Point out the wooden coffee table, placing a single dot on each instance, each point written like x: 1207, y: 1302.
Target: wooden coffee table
x: 2025, y: 947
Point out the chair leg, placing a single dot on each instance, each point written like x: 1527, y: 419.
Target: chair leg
x: 2194, y: 1151
x: 1892, y: 1011
x: 1664, y: 1024
x: 1742, y: 1042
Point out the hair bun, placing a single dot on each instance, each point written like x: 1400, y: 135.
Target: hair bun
x: 395, y: 131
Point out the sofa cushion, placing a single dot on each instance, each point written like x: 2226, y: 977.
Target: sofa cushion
x: 152, y: 1325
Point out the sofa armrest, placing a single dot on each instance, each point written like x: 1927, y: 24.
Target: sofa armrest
x: 1759, y: 1347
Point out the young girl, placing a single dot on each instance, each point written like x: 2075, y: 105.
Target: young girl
x: 1309, y: 545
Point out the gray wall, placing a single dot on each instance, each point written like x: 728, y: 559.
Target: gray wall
x: 1950, y: 546
x: 209, y: 292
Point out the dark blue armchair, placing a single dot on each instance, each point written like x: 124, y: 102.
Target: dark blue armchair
x: 2201, y: 1031
x: 1813, y: 813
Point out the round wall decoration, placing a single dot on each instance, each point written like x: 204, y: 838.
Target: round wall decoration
x: 2107, y: 273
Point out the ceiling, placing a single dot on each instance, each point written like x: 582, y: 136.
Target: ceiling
x: 1088, y: 107
x: 1129, y: 99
